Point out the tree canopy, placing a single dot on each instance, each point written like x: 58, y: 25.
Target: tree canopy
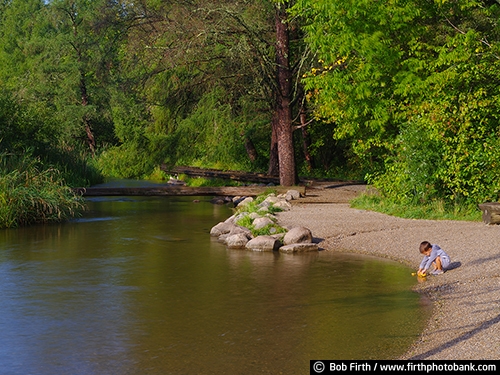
x: 413, y: 86
x: 403, y: 93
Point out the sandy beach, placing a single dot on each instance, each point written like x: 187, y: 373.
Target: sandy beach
x: 465, y: 323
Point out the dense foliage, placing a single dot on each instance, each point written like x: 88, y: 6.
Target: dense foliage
x: 413, y: 86
x: 403, y: 93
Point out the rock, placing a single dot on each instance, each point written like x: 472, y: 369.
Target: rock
x: 221, y: 228
x: 231, y: 219
x: 279, y: 236
x: 262, y: 222
x: 239, y: 216
x: 263, y: 210
x: 299, y: 248
x: 263, y: 243
x: 272, y: 231
x: 244, y: 202
x: 283, y: 205
x: 237, y: 241
x: 296, y: 240
x: 237, y: 199
x: 254, y: 215
x: 292, y: 194
x: 219, y: 201
x: 297, y: 235
x: 269, y: 200
x: 235, y: 230
x: 222, y: 238
x: 238, y: 229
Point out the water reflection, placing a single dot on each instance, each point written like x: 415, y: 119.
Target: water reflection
x: 138, y: 287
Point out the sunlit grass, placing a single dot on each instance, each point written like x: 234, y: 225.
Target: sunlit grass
x: 211, y: 182
x: 436, y: 210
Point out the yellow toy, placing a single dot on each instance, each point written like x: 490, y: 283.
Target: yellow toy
x: 419, y: 275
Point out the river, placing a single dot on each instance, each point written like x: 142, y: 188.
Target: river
x: 138, y: 286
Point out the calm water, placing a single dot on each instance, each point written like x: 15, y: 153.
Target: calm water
x: 137, y: 286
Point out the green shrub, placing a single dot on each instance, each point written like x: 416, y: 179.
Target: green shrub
x: 125, y: 161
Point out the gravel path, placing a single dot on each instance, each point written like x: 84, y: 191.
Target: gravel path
x: 465, y: 323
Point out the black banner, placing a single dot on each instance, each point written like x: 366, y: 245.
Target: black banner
x: 408, y: 367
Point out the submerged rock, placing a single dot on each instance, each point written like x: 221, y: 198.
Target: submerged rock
x: 299, y: 247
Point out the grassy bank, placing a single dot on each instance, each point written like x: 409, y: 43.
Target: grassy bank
x: 436, y: 210
x: 31, y: 193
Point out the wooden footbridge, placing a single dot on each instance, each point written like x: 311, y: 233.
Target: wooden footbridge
x: 175, y: 190
x: 266, y: 184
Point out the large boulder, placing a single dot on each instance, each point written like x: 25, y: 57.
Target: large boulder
x: 264, y: 243
x: 297, y: 235
x: 262, y: 222
x: 237, y: 241
x: 221, y: 228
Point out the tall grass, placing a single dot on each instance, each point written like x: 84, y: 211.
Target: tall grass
x: 31, y: 193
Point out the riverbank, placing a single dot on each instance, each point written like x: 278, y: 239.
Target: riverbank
x: 465, y: 322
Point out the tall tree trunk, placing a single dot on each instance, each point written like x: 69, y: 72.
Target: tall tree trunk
x: 274, y: 168
x: 283, y: 124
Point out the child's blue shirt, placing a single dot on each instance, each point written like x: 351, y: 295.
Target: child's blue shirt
x: 435, y: 252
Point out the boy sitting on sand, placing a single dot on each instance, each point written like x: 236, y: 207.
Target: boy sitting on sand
x: 433, y: 254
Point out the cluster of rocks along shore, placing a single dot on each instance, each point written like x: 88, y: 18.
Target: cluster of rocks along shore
x: 291, y: 240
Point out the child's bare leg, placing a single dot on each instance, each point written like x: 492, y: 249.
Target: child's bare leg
x: 438, y: 264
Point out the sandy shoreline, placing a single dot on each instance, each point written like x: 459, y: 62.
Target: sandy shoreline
x: 465, y: 323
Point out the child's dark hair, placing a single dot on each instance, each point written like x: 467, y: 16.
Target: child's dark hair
x: 424, y: 246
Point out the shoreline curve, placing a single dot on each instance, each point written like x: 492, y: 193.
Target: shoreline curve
x: 465, y: 321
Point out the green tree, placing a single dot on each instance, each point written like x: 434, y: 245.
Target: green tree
x: 359, y: 48
x: 457, y: 104
x: 183, y: 52
x: 60, y: 55
x: 410, y: 84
